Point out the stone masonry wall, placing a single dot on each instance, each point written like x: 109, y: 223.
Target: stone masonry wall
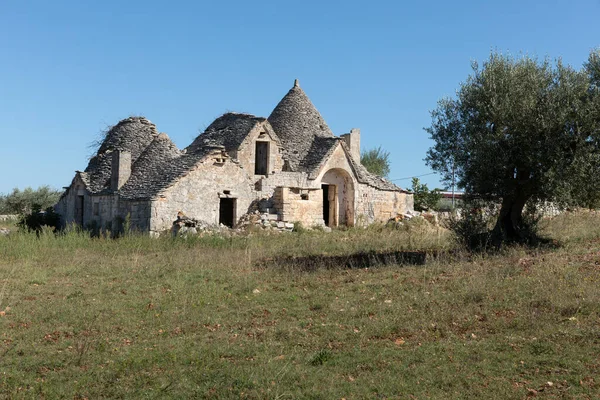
x: 374, y: 205
x: 300, y: 205
x: 109, y: 212
x: 285, y: 179
x: 104, y: 210
x: 139, y: 214
x: 197, y: 194
x: 246, y: 154
x: 67, y: 206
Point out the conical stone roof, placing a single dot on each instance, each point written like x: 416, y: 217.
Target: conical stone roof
x: 150, y: 169
x: 132, y: 134
x: 228, y: 131
x: 297, y: 122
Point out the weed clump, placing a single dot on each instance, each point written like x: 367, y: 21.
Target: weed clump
x: 320, y: 358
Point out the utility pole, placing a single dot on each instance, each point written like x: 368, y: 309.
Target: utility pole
x: 452, y: 184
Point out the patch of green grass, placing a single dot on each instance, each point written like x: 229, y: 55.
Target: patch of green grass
x: 198, y: 318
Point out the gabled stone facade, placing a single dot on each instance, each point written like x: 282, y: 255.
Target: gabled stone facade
x: 289, y: 165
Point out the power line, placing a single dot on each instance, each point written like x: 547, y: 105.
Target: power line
x: 410, y: 177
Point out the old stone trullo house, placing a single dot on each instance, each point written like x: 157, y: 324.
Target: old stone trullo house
x: 290, y: 165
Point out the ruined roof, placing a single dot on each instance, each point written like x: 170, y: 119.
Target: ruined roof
x: 151, y: 168
x: 297, y: 122
x: 307, y: 142
x: 162, y: 164
x: 163, y: 176
x: 132, y: 134
x: 228, y: 131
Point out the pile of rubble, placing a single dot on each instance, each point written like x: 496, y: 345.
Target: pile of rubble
x: 265, y: 221
x: 184, y: 225
x: 430, y: 216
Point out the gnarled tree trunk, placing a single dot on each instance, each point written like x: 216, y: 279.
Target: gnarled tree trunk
x: 510, y: 220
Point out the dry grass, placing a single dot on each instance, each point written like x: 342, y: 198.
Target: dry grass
x: 99, y: 318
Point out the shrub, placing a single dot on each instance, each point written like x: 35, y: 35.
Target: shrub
x: 424, y: 198
x: 471, y: 225
x: 38, y: 219
x: 298, y: 227
x: 27, y: 200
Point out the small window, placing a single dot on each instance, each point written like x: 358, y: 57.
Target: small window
x: 226, y: 191
x: 304, y: 196
x: 96, y: 209
x: 261, y: 159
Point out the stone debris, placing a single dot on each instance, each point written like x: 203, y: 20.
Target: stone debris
x: 432, y: 217
x: 184, y: 225
x: 264, y: 221
x: 4, y: 231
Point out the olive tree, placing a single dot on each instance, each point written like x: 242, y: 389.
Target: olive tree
x: 26, y: 200
x: 376, y: 161
x: 521, y: 131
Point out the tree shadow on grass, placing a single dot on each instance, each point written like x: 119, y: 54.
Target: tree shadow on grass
x: 355, y: 260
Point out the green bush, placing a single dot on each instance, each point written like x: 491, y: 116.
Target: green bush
x: 424, y: 198
x: 26, y: 200
x: 39, y: 219
x: 471, y: 225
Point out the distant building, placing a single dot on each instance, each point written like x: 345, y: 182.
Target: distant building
x: 290, y: 165
x: 447, y: 202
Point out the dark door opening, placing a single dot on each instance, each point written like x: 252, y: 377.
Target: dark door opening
x: 261, y: 158
x: 325, y: 203
x: 227, y: 212
x: 79, y: 210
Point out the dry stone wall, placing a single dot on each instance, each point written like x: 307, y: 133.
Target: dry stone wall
x: 375, y: 205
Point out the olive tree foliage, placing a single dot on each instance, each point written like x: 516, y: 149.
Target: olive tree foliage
x: 27, y: 200
x: 376, y: 161
x: 521, y: 131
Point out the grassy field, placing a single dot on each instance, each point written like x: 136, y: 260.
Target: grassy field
x: 204, y: 318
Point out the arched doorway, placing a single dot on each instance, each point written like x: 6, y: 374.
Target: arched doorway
x: 338, y: 198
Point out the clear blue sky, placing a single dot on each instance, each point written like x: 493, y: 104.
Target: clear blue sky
x: 69, y: 69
